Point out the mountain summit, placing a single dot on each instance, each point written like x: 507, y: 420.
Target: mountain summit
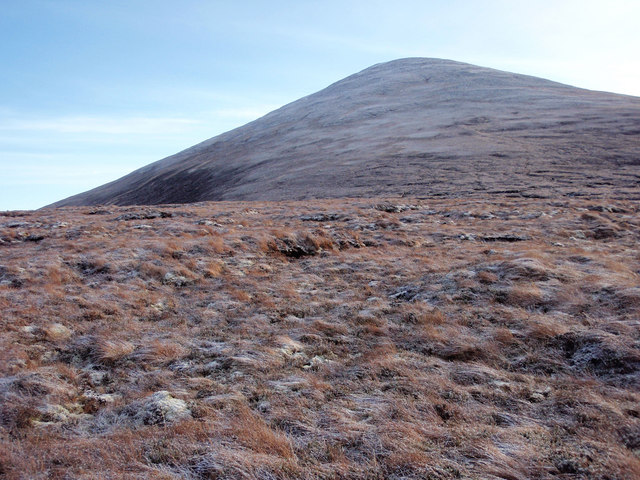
x: 415, y: 126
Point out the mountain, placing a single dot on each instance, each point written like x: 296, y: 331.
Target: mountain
x: 416, y: 126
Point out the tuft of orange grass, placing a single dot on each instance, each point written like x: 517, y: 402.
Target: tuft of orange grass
x: 113, y: 350
x: 214, y: 269
x: 422, y: 315
x: 252, y: 431
x: 161, y: 352
x: 526, y: 295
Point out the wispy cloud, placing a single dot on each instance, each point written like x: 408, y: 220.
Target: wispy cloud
x: 244, y: 113
x: 100, y: 125
x: 59, y: 169
x: 46, y: 157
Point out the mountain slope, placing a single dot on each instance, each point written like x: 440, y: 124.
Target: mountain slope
x: 407, y: 127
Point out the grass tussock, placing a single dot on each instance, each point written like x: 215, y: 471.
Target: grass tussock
x: 110, y: 351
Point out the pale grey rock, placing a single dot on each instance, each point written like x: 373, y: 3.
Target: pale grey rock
x: 171, y: 278
x: 159, y: 408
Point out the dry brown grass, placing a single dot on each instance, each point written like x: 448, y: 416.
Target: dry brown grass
x: 111, y: 351
x: 214, y: 269
x: 250, y: 430
x: 324, y: 339
x: 160, y: 352
x: 527, y: 295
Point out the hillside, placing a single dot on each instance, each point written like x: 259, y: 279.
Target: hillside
x: 410, y: 127
x: 428, y: 270
x: 490, y: 338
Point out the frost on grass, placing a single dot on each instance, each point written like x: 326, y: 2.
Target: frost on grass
x: 371, y: 338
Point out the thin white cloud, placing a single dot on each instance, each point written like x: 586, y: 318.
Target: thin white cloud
x: 100, y: 125
x: 244, y: 113
x: 49, y: 169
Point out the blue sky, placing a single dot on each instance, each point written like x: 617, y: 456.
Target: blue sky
x: 91, y: 90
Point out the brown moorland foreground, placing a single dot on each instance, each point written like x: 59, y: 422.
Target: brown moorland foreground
x: 493, y: 338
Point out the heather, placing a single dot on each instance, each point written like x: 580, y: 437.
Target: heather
x: 486, y: 337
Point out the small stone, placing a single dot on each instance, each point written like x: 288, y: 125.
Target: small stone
x: 160, y: 306
x: 467, y: 236
x: 51, y: 414
x: 57, y: 331
x: 506, y: 386
x: 54, y: 414
x: 159, y: 409
x: 208, y: 223
x: 290, y: 347
x: 315, y: 363
x: 536, y: 397
x: 97, y: 378
x: 171, y: 278
x: 93, y: 401
x: 407, y: 292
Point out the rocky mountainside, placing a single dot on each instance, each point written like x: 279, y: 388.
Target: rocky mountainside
x: 418, y: 126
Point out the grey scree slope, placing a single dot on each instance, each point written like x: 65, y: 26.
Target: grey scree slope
x: 415, y: 126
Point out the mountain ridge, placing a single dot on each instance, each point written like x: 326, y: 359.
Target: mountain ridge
x: 410, y: 126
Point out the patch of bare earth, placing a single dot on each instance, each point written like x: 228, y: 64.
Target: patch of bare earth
x: 325, y: 339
